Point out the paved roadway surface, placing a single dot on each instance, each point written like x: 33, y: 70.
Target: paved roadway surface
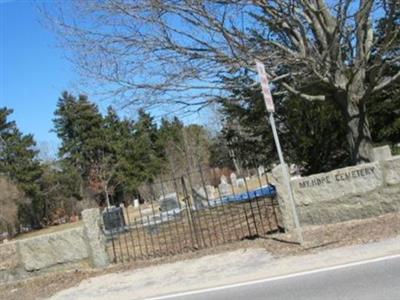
x: 378, y: 280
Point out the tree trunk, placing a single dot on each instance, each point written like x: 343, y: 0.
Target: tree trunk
x: 107, y: 196
x: 358, y: 133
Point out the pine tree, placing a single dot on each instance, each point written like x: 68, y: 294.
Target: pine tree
x: 18, y: 161
x: 147, y: 153
x: 107, y: 171
x: 78, y: 124
x: 384, y: 117
x: 170, y: 139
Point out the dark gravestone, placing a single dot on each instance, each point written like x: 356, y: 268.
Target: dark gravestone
x: 113, y: 219
x: 169, y: 202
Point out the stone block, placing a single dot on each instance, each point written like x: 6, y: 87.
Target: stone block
x: 234, y: 180
x: 225, y: 189
x: 9, y: 258
x: 283, y: 197
x: 241, y: 183
x: 45, y: 251
x: 95, y: 238
x: 356, y: 192
x: 359, y: 179
x: 391, y: 169
x: 381, y: 153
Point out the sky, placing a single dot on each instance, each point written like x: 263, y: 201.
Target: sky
x: 33, y: 72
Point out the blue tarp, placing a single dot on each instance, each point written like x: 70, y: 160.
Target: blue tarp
x: 265, y: 191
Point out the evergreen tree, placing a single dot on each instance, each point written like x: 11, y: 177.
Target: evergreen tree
x: 109, y: 170
x: 221, y: 154
x: 384, y: 116
x: 18, y: 161
x: 78, y: 124
x: 170, y: 139
x: 147, y: 152
x: 311, y: 134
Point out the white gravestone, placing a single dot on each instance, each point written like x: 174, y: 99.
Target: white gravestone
x: 240, y: 183
x: 224, y: 179
x: 210, y: 191
x: 225, y: 189
x: 136, y: 203
x: 234, y: 180
x: 261, y: 170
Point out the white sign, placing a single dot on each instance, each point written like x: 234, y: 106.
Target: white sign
x: 269, y: 103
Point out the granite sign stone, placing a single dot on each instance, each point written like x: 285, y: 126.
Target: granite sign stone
x: 359, y: 191
x: 340, y: 176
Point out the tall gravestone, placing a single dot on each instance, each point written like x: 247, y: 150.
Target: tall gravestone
x: 261, y: 170
x: 234, y: 180
x: 224, y: 179
x: 225, y: 189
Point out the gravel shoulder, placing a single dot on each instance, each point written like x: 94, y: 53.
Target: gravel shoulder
x: 244, y: 254
x: 218, y: 270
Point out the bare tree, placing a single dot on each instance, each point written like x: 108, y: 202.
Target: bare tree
x: 10, y: 198
x: 153, y: 52
x: 103, y: 176
x: 188, y: 153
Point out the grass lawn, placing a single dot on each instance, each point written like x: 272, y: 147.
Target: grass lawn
x: 50, y: 229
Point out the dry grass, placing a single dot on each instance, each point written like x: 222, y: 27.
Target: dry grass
x: 47, y: 230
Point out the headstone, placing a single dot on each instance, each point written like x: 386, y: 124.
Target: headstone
x: 240, y: 183
x: 382, y: 153
x: 225, y: 189
x: 169, y: 202
x: 136, y: 203
x: 113, y: 219
x: 199, y: 198
x: 210, y: 191
x: 224, y: 179
x: 261, y: 170
x: 234, y: 180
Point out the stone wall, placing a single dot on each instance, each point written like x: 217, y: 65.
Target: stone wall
x: 77, y: 248
x: 357, y: 192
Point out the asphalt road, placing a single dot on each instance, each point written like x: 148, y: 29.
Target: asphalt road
x: 378, y: 280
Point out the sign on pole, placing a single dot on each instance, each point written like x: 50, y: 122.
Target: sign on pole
x: 269, y: 103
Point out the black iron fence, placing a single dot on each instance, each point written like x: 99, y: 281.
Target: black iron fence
x: 197, y: 210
